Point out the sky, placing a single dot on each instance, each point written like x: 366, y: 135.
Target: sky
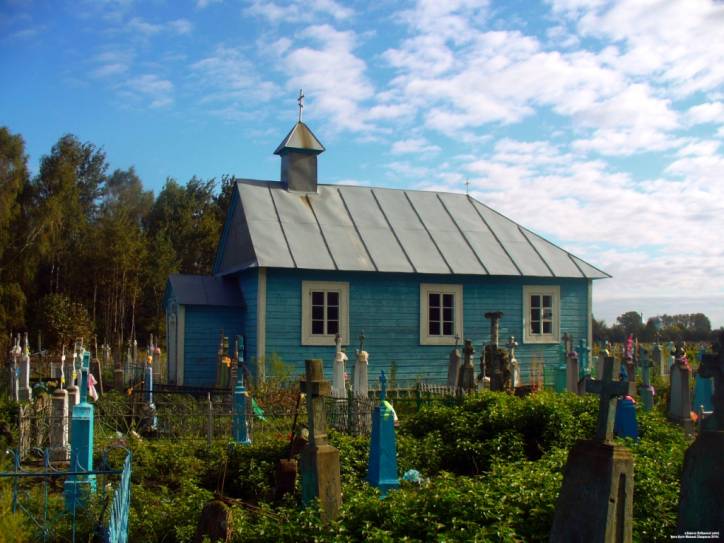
x: 597, y: 124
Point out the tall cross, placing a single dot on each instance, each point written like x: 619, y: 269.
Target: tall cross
x: 383, y: 387
x: 467, y: 186
x: 582, y: 351
x: 362, y: 341
x: 645, y: 366
x: 300, y: 101
x: 608, y: 391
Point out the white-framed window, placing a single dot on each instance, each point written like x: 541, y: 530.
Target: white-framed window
x: 325, y: 312
x: 441, y: 313
x: 541, y: 314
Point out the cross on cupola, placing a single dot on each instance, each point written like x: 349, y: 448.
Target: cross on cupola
x: 300, y: 101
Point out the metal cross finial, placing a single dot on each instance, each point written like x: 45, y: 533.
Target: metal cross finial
x: 467, y: 186
x: 300, y: 101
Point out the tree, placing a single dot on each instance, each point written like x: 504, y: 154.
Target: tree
x: 631, y: 322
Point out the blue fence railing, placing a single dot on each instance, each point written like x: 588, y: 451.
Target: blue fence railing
x: 118, y: 524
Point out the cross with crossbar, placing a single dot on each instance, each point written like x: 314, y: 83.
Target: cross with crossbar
x: 608, y: 391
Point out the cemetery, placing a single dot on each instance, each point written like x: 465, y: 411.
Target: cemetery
x: 600, y: 450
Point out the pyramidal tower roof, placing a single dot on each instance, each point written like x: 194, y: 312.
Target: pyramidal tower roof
x: 300, y: 139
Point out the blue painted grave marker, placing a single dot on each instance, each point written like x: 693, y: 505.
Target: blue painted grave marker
x: 382, y: 466
x: 646, y: 391
x: 625, y: 423
x: 239, y: 422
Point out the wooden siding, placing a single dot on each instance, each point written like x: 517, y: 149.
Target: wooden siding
x: 201, y: 342
x: 248, y: 283
x: 386, y: 307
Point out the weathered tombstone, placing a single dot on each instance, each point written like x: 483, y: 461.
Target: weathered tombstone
x: 453, y: 366
x: 319, y: 460
x: 679, y: 394
x: 703, y: 389
x: 15, y: 371
x: 672, y: 356
x: 215, y: 523
x: 466, y: 377
x: 701, y: 503
x: 625, y: 424
x: 76, y: 487
x: 338, y: 388
x: 73, y: 388
x: 572, y: 372
x: 382, y: 464
x: 240, y: 426
x: 658, y: 360
x: 596, y: 500
x: 561, y: 372
x: 59, y: 449
x: 361, y: 380
x: 25, y: 393
x: 646, y: 391
x: 495, y: 364
x: 513, y: 361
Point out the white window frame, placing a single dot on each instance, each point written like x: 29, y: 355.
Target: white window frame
x: 430, y: 288
x: 542, y: 290
x: 326, y: 286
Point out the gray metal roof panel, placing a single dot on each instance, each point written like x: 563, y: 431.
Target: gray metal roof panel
x: 300, y: 138
x: 454, y: 247
x: 205, y: 290
x: 418, y: 244
x: 591, y: 271
x: 556, y: 258
x: 514, y: 243
x: 478, y: 235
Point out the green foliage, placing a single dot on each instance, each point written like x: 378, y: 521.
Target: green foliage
x: 63, y: 320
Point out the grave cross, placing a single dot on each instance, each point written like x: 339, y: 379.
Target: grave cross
x: 608, y: 391
x: 712, y: 365
x: 383, y: 387
x: 362, y: 341
x: 300, y: 101
x: 316, y: 388
x: 583, y: 350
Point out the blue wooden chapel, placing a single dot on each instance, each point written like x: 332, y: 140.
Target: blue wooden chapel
x: 299, y: 262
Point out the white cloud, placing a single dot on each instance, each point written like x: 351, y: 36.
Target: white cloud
x: 298, y: 11
x: 152, y: 88
x: 414, y: 146
x: 332, y: 76
x: 180, y: 26
x: 708, y: 112
x: 202, y: 4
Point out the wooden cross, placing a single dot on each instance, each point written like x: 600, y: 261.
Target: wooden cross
x: 712, y: 365
x: 300, y: 101
x: 608, y: 391
x: 316, y: 388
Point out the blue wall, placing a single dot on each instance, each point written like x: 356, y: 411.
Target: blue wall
x: 249, y: 283
x: 387, y: 308
x: 201, y: 341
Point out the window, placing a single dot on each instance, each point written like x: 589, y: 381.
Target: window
x: 540, y: 314
x: 325, y: 312
x: 441, y: 314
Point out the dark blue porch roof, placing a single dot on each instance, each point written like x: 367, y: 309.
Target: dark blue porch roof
x: 204, y: 290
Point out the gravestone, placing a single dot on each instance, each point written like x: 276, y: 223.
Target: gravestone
x: 77, y: 487
x: 239, y: 423
x: 646, y: 391
x: 319, y: 460
x: 361, y: 371
x: 584, y: 367
x: 572, y: 372
x: 672, y: 356
x: 59, y: 449
x: 466, y: 377
x: 338, y: 388
x: 25, y: 393
x: 499, y: 373
x: 73, y: 388
x: 382, y: 464
x: 514, y: 364
x: 703, y: 390
x: 679, y: 394
x: 602, y: 355
x: 701, y: 503
x: 561, y: 371
x: 657, y: 360
x: 14, y: 369
x: 453, y: 366
x: 596, y: 500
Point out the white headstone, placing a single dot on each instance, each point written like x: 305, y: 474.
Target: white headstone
x: 338, y: 388
x: 453, y: 368
x: 361, y: 386
x: 25, y: 393
x: 59, y: 449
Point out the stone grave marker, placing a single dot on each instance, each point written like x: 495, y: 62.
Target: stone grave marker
x: 596, y: 500
x: 338, y: 386
x: 561, y: 372
x: 679, y: 410
x: 14, y: 369
x: 361, y: 370
x: 584, y: 367
x: 646, y: 391
x: 319, y: 460
x: 703, y: 390
x: 453, y: 366
x: 572, y: 372
x: 59, y: 449
x: 25, y: 393
x: 498, y: 372
x: 466, y: 377
x: 382, y: 464
x: 701, y: 502
x: 657, y: 358
x: 513, y: 361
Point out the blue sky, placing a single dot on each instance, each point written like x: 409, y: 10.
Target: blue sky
x: 597, y: 124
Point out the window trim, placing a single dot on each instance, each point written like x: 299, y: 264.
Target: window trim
x: 307, y: 338
x: 443, y: 288
x: 542, y: 290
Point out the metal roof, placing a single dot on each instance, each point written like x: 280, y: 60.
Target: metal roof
x: 300, y: 138
x: 389, y: 230
x: 204, y: 290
